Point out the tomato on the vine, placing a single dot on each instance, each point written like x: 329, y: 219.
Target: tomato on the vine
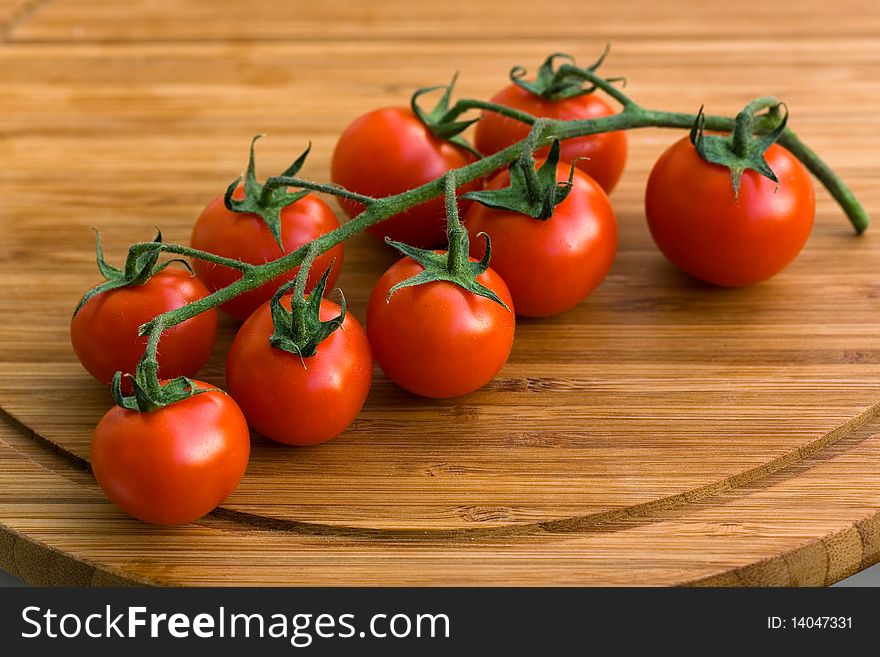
x: 708, y: 231
x: 552, y: 264
x: 175, y: 464
x: 300, y: 400
x: 601, y: 156
x: 437, y: 339
x: 104, y: 331
x: 246, y: 237
x: 389, y: 151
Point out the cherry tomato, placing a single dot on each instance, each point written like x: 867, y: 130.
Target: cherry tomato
x: 438, y: 339
x: 104, y: 333
x: 245, y: 237
x: 605, y: 152
x: 388, y: 151
x: 175, y: 464
x: 300, y: 402
x: 549, y: 265
x: 701, y: 228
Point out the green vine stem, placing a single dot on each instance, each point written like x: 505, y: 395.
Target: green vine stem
x: 466, y: 104
x: 335, y: 190
x: 150, y: 394
x: 630, y: 117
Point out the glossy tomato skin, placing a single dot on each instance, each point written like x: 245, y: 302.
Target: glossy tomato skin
x: 389, y: 151
x: 549, y: 266
x: 605, y: 152
x: 701, y: 228
x: 245, y: 237
x: 175, y: 464
x: 437, y: 339
x: 288, y: 402
x: 104, y: 333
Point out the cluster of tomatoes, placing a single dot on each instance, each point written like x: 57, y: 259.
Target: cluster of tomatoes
x: 436, y: 338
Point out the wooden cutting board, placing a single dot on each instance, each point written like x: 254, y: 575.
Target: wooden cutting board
x: 663, y: 432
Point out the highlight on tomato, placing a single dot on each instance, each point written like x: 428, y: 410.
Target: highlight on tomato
x: 441, y: 324
x: 395, y: 149
x: 553, y: 233
x: 172, y: 452
x: 255, y: 224
x: 730, y: 210
x: 300, y: 367
x: 557, y: 93
x: 104, y: 327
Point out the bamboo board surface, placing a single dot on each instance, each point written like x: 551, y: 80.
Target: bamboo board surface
x: 663, y: 432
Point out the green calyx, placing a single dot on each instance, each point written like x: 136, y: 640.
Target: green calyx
x: 149, y: 393
x: 139, y: 268
x: 532, y: 193
x: 300, y: 330
x: 743, y: 148
x: 566, y: 81
x: 266, y: 201
x: 441, y: 120
x: 453, y: 265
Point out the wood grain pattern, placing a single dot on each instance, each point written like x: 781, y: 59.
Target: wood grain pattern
x: 663, y: 432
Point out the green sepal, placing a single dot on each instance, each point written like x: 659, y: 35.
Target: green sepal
x: 741, y: 149
x: 138, y: 269
x: 438, y: 120
x: 453, y: 265
x: 150, y: 395
x: 300, y: 330
x: 436, y: 268
x: 266, y: 201
x: 552, y: 83
x: 532, y: 193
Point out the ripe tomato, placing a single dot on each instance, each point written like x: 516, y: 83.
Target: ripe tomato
x: 549, y: 265
x: 104, y: 333
x: 605, y: 152
x: 388, y: 151
x: 300, y: 402
x: 438, y: 339
x: 245, y: 237
x: 175, y: 464
x: 705, y: 231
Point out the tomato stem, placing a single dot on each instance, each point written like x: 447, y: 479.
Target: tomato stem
x: 264, y: 201
x: 556, y: 84
x: 301, y: 330
x: 454, y: 264
x: 532, y: 193
x: 439, y: 121
x: 598, y: 82
x: 744, y: 123
x: 527, y: 160
x: 150, y: 394
x: 456, y: 234
x: 334, y: 190
x: 466, y: 104
x: 632, y: 116
x: 745, y: 147
x: 204, y: 255
x: 844, y: 196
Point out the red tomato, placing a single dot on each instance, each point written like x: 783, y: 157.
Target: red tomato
x: 389, y: 151
x: 438, y: 339
x: 292, y: 402
x: 701, y: 228
x: 104, y: 333
x: 175, y: 464
x: 549, y: 265
x: 606, y: 152
x: 245, y: 237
